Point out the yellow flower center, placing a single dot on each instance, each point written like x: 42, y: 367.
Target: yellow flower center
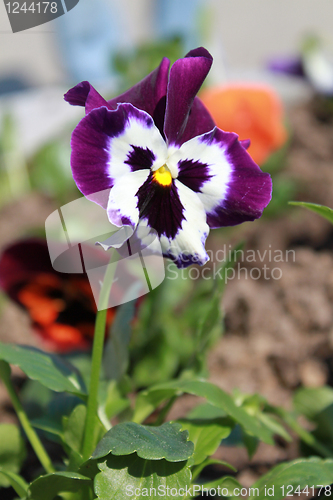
x: 163, y: 176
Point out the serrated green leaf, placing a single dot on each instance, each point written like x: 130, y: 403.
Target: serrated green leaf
x: 152, y: 443
x: 12, y: 451
x: 49, y: 369
x: 48, y: 486
x: 301, y: 472
x: 213, y: 394
x: 325, y: 212
x: 206, y: 435
x: 123, y: 477
x: 15, y: 481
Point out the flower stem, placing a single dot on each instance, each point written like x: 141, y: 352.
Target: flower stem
x: 97, y: 354
x: 22, y: 416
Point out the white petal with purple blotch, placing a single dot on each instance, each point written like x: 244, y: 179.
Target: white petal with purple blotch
x: 210, y: 179
x: 231, y: 187
x: 139, y: 142
x: 122, y: 206
x: 188, y: 246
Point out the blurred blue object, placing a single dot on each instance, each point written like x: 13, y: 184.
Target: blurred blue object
x: 175, y: 17
x: 89, y: 35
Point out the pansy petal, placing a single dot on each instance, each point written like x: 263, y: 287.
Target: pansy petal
x: 230, y: 185
x: 178, y: 216
x: 149, y: 94
x: 199, y: 121
x: 186, y: 78
x: 84, y: 94
x: 188, y: 245
x: 108, y: 144
x: 123, y: 204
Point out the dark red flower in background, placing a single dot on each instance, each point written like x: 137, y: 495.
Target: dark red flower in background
x: 61, y: 306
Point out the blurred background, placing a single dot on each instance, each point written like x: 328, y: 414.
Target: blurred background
x: 285, y: 325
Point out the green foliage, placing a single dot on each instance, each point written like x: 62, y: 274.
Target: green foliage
x: 325, y: 212
x: 148, y: 400
x: 316, y: 404
x: 50, y: 370
x: 301, y: 472
x: 132, y: 66
x: 151, y: 443
x: 48, y: 486
x: 55, y: 180
x: 116, y: 356
x: 12, y: 453
x: 178, y: 323
x: 206, y: 434
x: 120, y: 476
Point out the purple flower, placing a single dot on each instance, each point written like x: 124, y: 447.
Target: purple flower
x: 153, y: 157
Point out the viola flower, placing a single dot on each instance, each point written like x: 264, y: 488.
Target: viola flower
x: 253, y: 111
x: 61, y: 306
x: 153, y: 157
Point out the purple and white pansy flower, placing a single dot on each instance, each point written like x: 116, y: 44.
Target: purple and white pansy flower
x: 153, y: 157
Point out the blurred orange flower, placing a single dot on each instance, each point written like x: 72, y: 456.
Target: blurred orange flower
x: 253, y: 111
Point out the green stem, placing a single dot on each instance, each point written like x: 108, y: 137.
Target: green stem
x: 97, y: 354
x: 22, y: 416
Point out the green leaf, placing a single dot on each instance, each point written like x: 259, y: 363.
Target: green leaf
x: 49, y: 369
x: 116, y: 356
x: 15, y: 481
x: 74, y: 428
x: 213, y: 315
x: 316, y: 404
x: 213, y: 394
x: 206, y: 435
x: 152, y: 443
x: 113, y: 402
x: 48, y: 486
x: 325, y: 212
x: 12, y: 451
x: 226, y: 483
x: 210, y: 461
x: 121, y: 476
x: 300, y: 472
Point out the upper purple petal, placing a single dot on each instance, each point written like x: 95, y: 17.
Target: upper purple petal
x: 186, y: 78
x: 199, y: 121
x: 84, y: 94
x: 149, y: 94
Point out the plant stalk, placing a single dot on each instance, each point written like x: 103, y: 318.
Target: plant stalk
x: 22, y: 416
x: 97, y: 355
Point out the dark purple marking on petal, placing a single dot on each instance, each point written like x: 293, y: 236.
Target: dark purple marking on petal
x: 186, y: 78
x: 193, y: 174
x: 184, y: 260
x: 161, y: 207
x: 249, y: 189
x: 149, y: 94
x: 140, y: 158
x: 84, y: 94
x: 91, y: 139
